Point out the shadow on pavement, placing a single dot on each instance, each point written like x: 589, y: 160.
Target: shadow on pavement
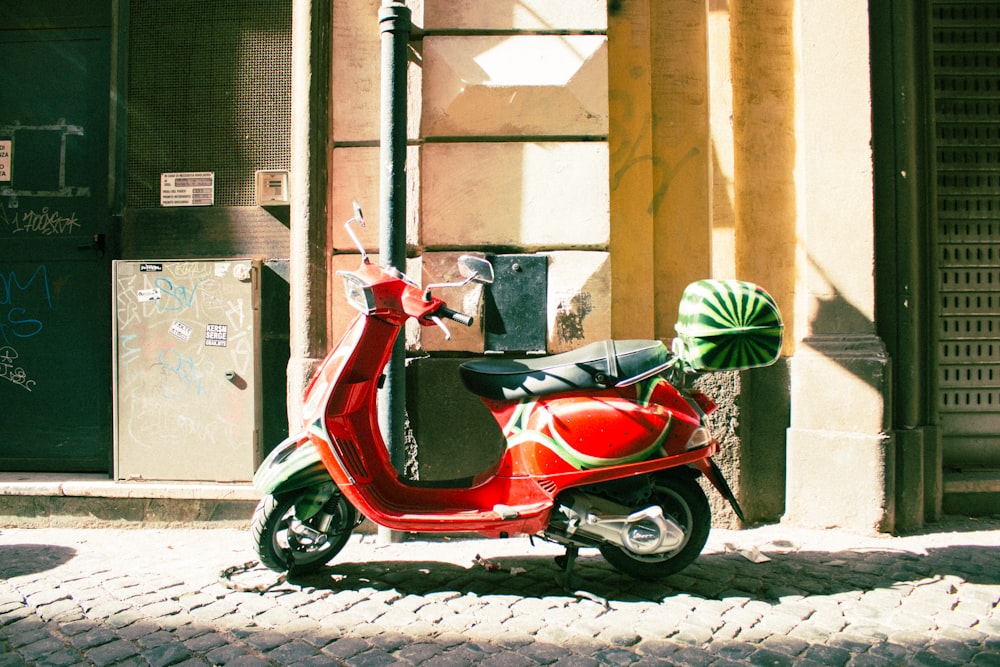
x: 20, y: 559
x: 712, y: 576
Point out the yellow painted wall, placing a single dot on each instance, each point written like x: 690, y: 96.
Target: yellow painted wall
x: 702, y: 141
x: 763, y: 65
x: 630, y: 141
x: 682, y: 199
x: 660, y: 161
x: 737, y: 146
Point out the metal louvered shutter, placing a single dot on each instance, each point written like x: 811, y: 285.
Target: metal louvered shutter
x: 965, y: 68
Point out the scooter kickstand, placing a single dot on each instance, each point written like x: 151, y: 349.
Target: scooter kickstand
x: 567, y: 562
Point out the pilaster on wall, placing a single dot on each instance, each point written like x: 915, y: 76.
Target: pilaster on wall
x: 682, y: 153
x: 841, y: 456
x: 763, y: 62
x: 660, y: 160
x: 630, y: 144
x: 754, y: 142
x: 308, y: 210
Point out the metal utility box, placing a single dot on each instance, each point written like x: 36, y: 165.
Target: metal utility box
x: 187, y: 376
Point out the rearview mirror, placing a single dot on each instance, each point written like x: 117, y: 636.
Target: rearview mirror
x: 476, y: 269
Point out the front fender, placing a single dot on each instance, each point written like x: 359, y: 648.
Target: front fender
x: 293, y: 464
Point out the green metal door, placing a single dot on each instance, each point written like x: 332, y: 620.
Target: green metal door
x: 965, y: 89
x: 55, y: 286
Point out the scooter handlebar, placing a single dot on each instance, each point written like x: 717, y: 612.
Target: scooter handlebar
x: 454, y: 316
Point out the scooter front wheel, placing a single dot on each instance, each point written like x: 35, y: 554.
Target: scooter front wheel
x: 684, y: 501
x: 284, y: 543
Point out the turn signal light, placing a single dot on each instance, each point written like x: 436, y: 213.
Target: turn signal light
x: 704, y: 402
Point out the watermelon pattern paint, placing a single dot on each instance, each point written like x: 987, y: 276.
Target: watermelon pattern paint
x: 728, y: 325
x: 535, y: 423
x: 580, y: 432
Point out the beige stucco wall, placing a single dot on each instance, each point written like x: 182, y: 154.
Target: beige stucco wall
x: 840, y: 449
x: 507, y: 121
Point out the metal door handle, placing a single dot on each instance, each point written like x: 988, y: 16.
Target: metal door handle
x: 97, y: 245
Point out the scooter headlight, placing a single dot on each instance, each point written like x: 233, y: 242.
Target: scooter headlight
x: 358, y: 293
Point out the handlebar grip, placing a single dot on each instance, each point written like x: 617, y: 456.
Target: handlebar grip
x: 455, y: 316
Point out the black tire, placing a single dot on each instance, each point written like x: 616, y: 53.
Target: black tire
x: 684, y: 501
x: 283, y: 546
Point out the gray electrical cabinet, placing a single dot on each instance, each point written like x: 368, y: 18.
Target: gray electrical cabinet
x: 187, y: 385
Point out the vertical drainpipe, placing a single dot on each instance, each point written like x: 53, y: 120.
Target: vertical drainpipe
x: 308, y: 207
x: 394, y: 24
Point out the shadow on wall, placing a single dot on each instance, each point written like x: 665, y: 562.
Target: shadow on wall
x: 835, y: 314
x: 764, y: 189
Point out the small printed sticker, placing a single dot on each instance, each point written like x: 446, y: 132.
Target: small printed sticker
x: 5, y: 153
x: 242, y: 272
x: 181, y: 331
x: 187, y: 189
x: 216, y: 335
x: 150, y: 267
x: 152, y: 294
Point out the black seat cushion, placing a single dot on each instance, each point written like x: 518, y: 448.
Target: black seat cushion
x: 595, y: 366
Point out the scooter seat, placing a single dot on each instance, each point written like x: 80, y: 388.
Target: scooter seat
x: 595, y: 366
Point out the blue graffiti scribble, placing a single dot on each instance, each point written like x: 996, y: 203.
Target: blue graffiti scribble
x: 15, y: 321
x: 181, y: 375
x: 175, y: 297
x: 10, y: 281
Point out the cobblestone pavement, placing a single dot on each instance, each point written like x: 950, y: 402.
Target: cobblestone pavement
x: 767, y: 596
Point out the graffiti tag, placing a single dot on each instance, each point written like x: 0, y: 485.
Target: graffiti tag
x: 181, y: 375
x: 10, y: 372
x: 14, y: 319
x: 174, y: 297
x: 44, y: 222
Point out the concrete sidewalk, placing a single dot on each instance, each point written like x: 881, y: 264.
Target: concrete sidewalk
x: 768, y: 596
x: 59, y: 500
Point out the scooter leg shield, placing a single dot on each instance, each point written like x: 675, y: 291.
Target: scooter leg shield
x: 293, y: 464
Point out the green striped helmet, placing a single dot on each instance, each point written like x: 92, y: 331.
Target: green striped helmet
x: 728, y: 325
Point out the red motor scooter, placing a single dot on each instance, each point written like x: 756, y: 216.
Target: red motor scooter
x: 604, y: 444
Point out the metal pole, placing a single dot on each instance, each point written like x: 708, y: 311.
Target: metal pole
x: 394, y: 24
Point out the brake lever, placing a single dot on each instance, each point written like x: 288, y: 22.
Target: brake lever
x: 438, y: 321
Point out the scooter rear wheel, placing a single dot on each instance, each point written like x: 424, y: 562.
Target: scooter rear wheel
x: 283, y: 543
x: 684, y: 501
